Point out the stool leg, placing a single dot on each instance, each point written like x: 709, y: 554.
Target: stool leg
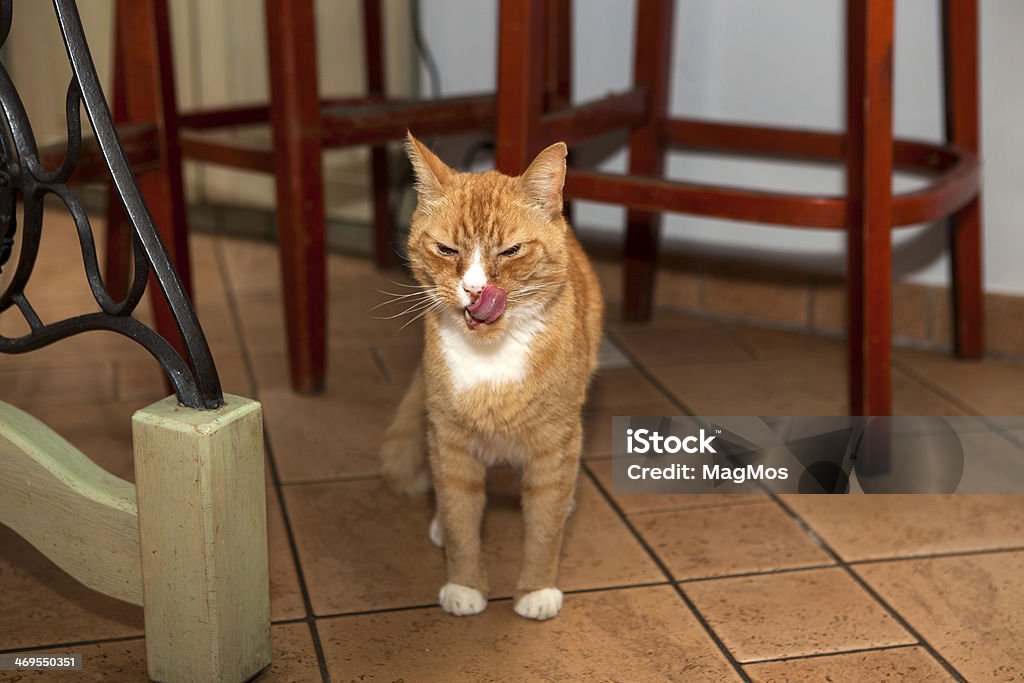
x: 373, y: 36
x: 653, y: 55
x: 298, y: 171
x: 520, y: 83
x: 147, y: 74
x: 558, y: 67
x: 869, y: 158
x: 960, y: 56
x: 119, y: 236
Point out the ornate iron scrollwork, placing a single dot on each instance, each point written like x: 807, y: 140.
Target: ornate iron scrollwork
x: 23, y: 177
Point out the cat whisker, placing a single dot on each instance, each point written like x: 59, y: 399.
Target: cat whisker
x: 438, y: 303
x: 402, y: 284
x: 404, y: 298
x: 418, y: 306
x: 400, y: 297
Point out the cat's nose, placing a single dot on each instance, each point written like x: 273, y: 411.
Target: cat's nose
x: 473, y: 289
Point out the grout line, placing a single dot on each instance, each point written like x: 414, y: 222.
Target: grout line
x: 380, y: 363
x: 765, y: 572
x: 845, y: 566
x: 745, y: 346
x: 936, y: 556
x: 274, y: 472
x: 667, y: 573
x: 650, y: 376
x: 332, y: 480
x: 74, y: 643
x: 935, y: 388
x: 968, y: 409
x: 504, y: 598
x: 702, y: 506
x: 816, y: 655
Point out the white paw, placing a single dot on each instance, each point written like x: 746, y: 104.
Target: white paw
x: 437, y: 532
x: 540, y: 605
x: 462, y: 600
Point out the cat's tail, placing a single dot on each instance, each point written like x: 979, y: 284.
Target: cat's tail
x: 403, y: 455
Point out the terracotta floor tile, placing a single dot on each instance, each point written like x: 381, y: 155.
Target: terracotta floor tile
x: 610, y: 355
x: 597, y: 424
x: 142, y: 380
x: 218, y: 323
x: 879, y: 526
x: 42, y: 604
x: 253, y: 266
x: 761, y: 537
x: 102, y: 431
x: 621, y: 389
x: 101, y: 663
x: 285, y: 593
x: 84, y: 383
x: 639, y: 503
x: 968, y: 608
x: 912, y: 664
x: 810, y: 385
x: 349, y: 531
x: 292, y: 653
x: 348, y: 320
x: 681, y: 346
x: 335, y: 434
x: 70, y: 351
x: 766, y: 343
x: 988, y: 387
x: 639, y: 634
x: 661, y: 319
x: 790, y: 614
x: 400, y: 361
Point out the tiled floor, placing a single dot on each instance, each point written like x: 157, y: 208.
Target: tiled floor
x: 686, y: 588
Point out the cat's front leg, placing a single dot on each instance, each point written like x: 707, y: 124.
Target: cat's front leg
x: 549, y: 483
x: 459, y: 480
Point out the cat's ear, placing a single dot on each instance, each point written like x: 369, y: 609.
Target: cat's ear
x: 431, y: 172
x: 544, y: 179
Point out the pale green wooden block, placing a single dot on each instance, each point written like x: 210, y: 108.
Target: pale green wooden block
x: 203, y: 537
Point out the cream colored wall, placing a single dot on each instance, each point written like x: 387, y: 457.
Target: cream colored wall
x: 220, y: 58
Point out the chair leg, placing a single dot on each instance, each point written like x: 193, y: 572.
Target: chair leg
x: 295, y: 118
x: 558, y: 67
x: 869, y: 159
x: 960, y: 56
x: 147, y: 74
x: 653, y: 54
x: 373, y: 36
x: 520, y: 83
x: 119, y: 237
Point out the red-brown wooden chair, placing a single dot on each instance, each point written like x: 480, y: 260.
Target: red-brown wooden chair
x: 303, y: 124
x: 868, y: 212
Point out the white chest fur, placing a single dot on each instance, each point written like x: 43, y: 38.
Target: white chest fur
x: 471, y: 364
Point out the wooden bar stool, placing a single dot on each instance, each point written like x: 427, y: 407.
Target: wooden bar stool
x: 303, y: 125
x: 868, y: 212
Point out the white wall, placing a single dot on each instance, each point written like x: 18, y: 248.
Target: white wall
x: 782, y: 63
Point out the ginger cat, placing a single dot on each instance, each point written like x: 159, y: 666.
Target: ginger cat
x: 513, y: 322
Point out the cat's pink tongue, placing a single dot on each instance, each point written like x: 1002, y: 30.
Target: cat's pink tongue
x: 489, y: 305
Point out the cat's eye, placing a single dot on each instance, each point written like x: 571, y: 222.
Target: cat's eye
x: 447, y: 251
x: 511, y: 251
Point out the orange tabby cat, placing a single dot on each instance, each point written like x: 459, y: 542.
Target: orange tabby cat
x: 512, y: 332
